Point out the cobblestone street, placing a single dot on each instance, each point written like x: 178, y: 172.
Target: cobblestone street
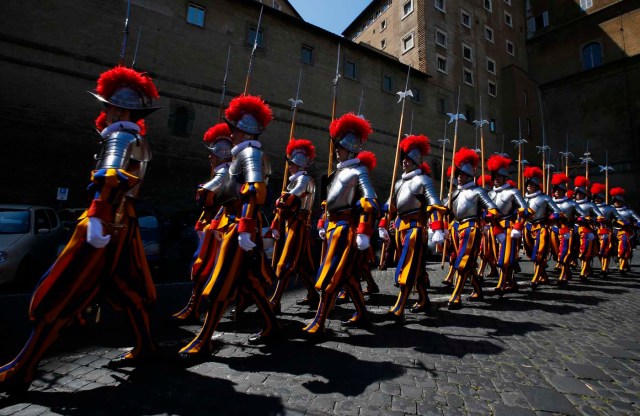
x: 571, y: 350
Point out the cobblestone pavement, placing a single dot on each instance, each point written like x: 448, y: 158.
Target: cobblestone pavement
x: 571, y: 350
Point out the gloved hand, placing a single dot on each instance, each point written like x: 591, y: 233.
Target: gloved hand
x: 95, y: 233
x: 275, y: 234
x: 516, y: 233
x: 501, y: 237
x: 244, y: 241
x: 322, y: 233
x: 437, y: 237
x: 383, y: 234
x: 217, y: 235
x: 362, y: 241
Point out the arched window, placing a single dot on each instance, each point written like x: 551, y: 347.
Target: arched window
x: 591, y: 55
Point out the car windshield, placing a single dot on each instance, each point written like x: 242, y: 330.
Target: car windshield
x: 13, y: 221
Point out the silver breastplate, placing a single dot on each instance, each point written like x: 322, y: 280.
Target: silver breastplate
x: 508, y: 201
x: 569, y: 208
x: 215, y: 184
x: 126, y: 150
x: 245, y: 167
x: 304, y: 187
x: 608, y: 212
x: 542, y: 206
x: 415, y: 194
x: 469, y: 203
x: 628, y: 215
x: 590, y: 209
x: 347, y: 185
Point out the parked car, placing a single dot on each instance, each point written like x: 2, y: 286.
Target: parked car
x: 30, y: 239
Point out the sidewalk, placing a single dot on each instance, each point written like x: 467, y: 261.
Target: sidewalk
x: 573, y: 350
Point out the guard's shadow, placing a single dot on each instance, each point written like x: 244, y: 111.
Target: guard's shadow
x: 164, y: 388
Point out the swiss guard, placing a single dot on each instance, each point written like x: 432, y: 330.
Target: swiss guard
x: 625, y: 227
x: 586, y: 225
x: 412, y: 203
x: 605, y: 227
x: 351, y: 210
x: 291, y: 225
x: 105, y: 253
x: 470, y: 204
x: 240, y: 265
x: 217, y: 140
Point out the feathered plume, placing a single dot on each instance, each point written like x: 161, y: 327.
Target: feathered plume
x: 101, y: 123
x: 367, y: 159
x: 421, y: 142
x: 466, y: 155
x: 219, y: 130
x: 303, y: 144
x: 598, y: 188
x: 487, y: 180
x: 350, y: 122
x: 559, y: 179
x: 251, y: 104
x: 425, y: 168
x: 616, y: 191
x: 533, y: 172
x: 449, y: 171
x: 496, y: 162
x: 119, y: 76
x: 512, y: 183
x: 580, y: 181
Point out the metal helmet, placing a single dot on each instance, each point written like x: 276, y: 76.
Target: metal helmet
x: 415, y: 148
x: 301, y: 152
x: 533, y: 174
x: 466, y: 160
x: 499, y: 165
x: 617, y: 194
x: 350, y: 132
x: 560, y: 181
x: 248, y: 113
x: 217, y: 140
x: 581, y: 184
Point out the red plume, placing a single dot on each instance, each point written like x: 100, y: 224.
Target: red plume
x: 219, y: 130
x: 570, y: 193
x: 533, y: 172
x: 466, y: 155
x: 421, y: 142
x: 512, y: 184
x: 487, y: 180
x: 119, y: 76
x: 367, y: 159
x: 597, y: 188
x: 559, y: 179
x: 579, y: 181
x: 449, y: 171
x: 350, y: 122
x: 251, y: 104
x: 304, y: 144
x: 496, y: 162
x: 101, y: 123
x: 616, y: 191
x: 425, y: 168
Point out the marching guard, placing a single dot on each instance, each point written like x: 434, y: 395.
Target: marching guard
x: 291, y: 224
x: 414, y: 200
x: 586, y: 225
x: 627, y: 223
x: 351, y: 210
x: 605, y: 227
x: 217, y: 140
x: 105, y: 253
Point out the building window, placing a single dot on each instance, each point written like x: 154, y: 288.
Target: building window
x: 511, y: 48
x: 407, y: 8
x: 586, y: 4
x: 251, y: 38
x: 387, y: 83
x: 525, y: 98
x: 488, y: 33
x: 440, y: 5
x: 441, y: 63
x: 442, y: 105
x: 407, y: 43
x: 383, y: 43
x: 417, y: 98
x: 591, y: 55
x: 469, y: 114
x: 467, y: 76
x: 488, y: 5
x: 306, y: 54
x: 195, y: 14
x: 508, y: 20
x: 350, y: 69
x: 493, y: 89
x: 538, y: 22
x: 465, y: 19
x: 492, y: 125
x: 491, y: 66
x: 383, y: 25
x: 181, y: 120
x: 441, y: 38
x: 467, y: 52
x: 276, y: 5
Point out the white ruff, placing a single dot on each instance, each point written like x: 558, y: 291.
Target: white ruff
x: 119, y: 125
x: 409, y: 175
x: 348, y: 163
x: 297, y: 175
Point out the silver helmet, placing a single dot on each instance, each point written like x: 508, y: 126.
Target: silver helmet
x: 221, y: 147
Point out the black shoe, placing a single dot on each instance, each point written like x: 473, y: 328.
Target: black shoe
x: 533, y: 286
x: 311, y: 301
x: 139, y: 360
x: 447, y: 283
x: 417, y: 308
x: 498, y: 291
x: 258, y: 338
x: 454, y: 305
x: 475, y: 297
x: 397, y: 319
x: 362, y: 322
x: 276, y: 308
x: 604, y: 274
x: 202, y: 355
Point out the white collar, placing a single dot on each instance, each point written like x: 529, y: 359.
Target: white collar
x: 467, y: 185
x: 348, y: 163
x: 564, y: 198
x: 536, y: 193
x: 297, y: 175
x: 501, y: 188
x: 119, y: 125
x: 621, y: 208
x: 582, y: 201
x: 221, y: 167
x: 408, y: 175
x: 247, y: 143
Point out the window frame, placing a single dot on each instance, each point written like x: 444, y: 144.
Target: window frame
x: 470, y: 48
x: 383, y: 43
x: 195, y: 6
x: 488, y: 29
x: 586, y: 5
x: 390, y: 78
x: 490, y: 8
x: 302, y: 49
x: 489, y: 60
x: 403, y: 41
x: 410, y: 2
x: 442, y: 103
x: 348, y: 60
x: 464, y: 13
x: 444, y: 5
x: 513, y: 47
x: 495, y: 87
x: 444, y: 58
x: 383, y: 24
x: 260, y: 34
x: 466, y: 71
x: 417, y: 95
x: 508, y: 19
x: 594, y: 63
x: 445, y: 38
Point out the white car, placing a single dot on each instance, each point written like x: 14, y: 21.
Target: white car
x: 30, y: 239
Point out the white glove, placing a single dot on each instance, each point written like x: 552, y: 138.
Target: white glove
x: 362, y: 241
x: 566, y: 236
x: 516, y: 233
x: 244, y: 241
x: 501, y: 237
x: 322, y: 233
x: 437, y: 237
x: 95, y: 233
x: 383, y: 234
x: 217, y: 235
x: 275, y: 234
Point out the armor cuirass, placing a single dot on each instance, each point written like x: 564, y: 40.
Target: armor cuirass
x: 608, y: 212
x: 570, y: 208
x: 590, y: 208
x: 508, y: 200
x: 628, y: 215
x: 304, y: 187
x: 215, y: 184
x: 468, y: 203
x: 347, y: 185
x: 542, y: 206
x: 415, y: 194
x: 245, y: 167
x: 126, y: 150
